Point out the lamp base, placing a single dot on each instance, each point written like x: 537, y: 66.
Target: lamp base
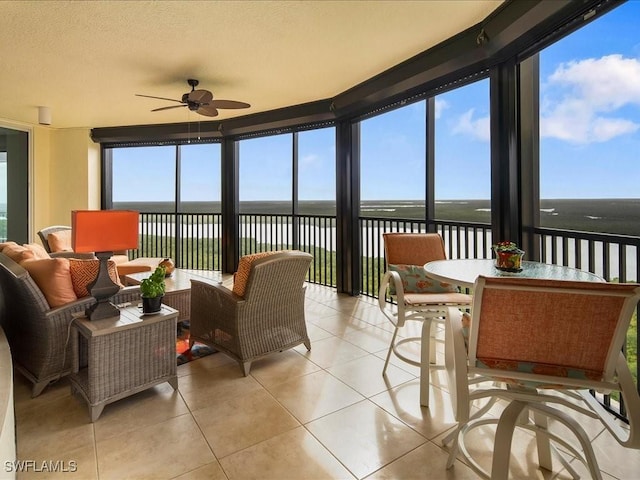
x: 101, y: 310
x: 102, y: 289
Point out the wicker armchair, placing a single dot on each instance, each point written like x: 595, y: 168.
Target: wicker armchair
x: 44, y: 238
x: 269, y: 317
x: 38, y: 334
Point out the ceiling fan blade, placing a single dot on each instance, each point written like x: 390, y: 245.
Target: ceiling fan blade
x: 158, y: 98
x: 167, y: 108
x: 228, y: 104
x: 200, y: 96
x: 207, y: 111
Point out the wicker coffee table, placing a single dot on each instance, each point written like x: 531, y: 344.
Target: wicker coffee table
x: 177, y: 287
x: 124, y: 355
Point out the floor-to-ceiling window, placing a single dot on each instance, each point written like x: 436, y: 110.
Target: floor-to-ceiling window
x: 462, y: 154
x: 590, y: 126
x: 462, y: 168
x: 177, y: 190
x: 589, y: 143
x: 14, y: 185
x: 393, y: 183
x: 287, y: 196
x: 393, y: 163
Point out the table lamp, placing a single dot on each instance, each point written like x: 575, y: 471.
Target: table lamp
x: 102, y: 232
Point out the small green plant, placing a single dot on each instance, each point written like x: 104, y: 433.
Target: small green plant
x: 153, y: 286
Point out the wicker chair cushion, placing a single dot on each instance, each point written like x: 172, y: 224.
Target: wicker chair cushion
x: 83, y: 272
x: 18, y: 253
x: 60, y: 241
x: 6, y: 244
x: 53, y: 278
x: 241, y: 277
x: 38, y: 250
x: 415, y: 280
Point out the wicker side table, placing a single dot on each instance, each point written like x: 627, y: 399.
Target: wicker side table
x: 123, y: 355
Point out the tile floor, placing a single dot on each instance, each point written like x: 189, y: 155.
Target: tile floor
x: 323, y: 414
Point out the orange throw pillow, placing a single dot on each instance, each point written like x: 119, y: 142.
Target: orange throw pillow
x: 60, y: 241
x: 83, y: 272
x: 53, y: 278
x: 241, y: 277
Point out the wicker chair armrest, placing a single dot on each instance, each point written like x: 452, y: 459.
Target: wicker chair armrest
x: 222, y: 294
x: 127, y: 295
x: 77, y: 256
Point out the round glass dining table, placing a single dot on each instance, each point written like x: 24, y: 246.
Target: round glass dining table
x: 464, y: 272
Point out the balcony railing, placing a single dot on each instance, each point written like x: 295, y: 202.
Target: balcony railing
x: 194, y: 241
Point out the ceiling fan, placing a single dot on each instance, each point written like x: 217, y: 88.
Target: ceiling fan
x: 199, y: 101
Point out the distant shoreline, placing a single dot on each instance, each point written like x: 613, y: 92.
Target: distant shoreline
x: 616, y: 216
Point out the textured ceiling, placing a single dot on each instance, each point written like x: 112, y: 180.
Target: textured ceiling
x: 85, y: 60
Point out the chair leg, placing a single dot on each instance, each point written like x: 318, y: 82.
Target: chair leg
x: 246, y: 366
x: 386, y: 361
x: 504, y: 437
x: 425, y: 359
x: 542, y: 441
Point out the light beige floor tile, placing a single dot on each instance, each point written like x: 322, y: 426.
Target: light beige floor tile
x: 314, y: 395
x: 364, y: 375
x: 372, y: 339
x: 211, y: 471
x: 63, y: 421
x: 209, y: 361
x: 339, y: 323
x: 425, y: 462
x: 316, y: 333
x: 161, y: 451
x: 149, y: 407
x: 364, y: 437
x: 331, y: 351
x: 78, y: 464
x: 613, y: 459
x: 281, y: 367
x: 294, y: 455
x: 22, y: 393
x: 403, y: 402
x: 239, y: 422
x: 226, y: 381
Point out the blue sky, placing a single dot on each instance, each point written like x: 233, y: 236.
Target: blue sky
x: 589, y: 122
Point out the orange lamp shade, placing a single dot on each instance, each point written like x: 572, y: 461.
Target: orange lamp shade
x: 104, y: 230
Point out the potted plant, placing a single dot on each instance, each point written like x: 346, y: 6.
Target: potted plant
x: 152, y: 290
x: 508, y: 256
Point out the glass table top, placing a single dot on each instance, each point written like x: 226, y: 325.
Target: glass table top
x: 464, y: 272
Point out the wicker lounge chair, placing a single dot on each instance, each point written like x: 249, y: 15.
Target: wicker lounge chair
x: 38, y: 334
x: 268, y: 318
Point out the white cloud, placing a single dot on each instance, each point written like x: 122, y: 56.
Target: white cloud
x: 440, y: 105
x: 581, y: 99
x: 478, y: 128
x: 309, y: 159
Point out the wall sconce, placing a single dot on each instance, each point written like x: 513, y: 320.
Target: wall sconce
x: 101, y: 232
x: 44, y: 115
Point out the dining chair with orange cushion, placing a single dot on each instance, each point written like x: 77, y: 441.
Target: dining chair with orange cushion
x: 548, y: 342
x: 415, y: 297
